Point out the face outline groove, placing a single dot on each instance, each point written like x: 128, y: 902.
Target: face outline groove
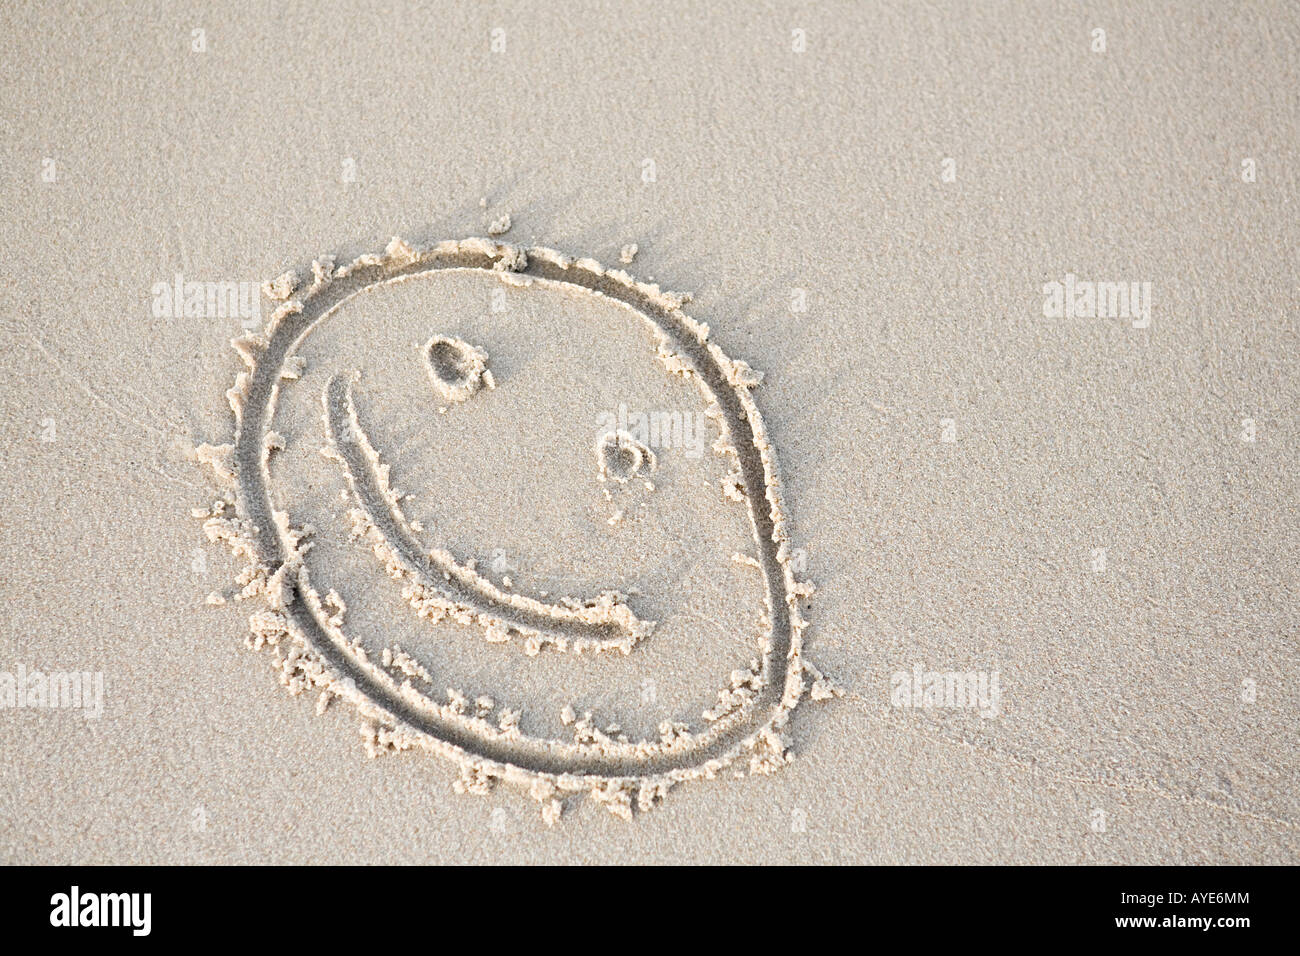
x: 748, y: 719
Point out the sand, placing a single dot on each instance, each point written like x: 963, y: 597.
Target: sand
x: 944, y: 510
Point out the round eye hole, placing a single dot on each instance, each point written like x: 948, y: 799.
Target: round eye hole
x: 457, y: 369
x: 303, y: 621
x: 620, y: 457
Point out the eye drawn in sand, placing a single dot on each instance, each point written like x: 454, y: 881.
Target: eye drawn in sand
x: 621, y: 457
x: 457, y: 369
x: 396, y: 697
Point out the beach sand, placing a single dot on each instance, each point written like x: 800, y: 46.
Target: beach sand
x: 1091, y: 512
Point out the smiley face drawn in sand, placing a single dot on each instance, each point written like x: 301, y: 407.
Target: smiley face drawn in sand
x: 304, y: 629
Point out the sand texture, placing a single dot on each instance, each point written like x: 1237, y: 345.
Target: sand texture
x: 839, y: 433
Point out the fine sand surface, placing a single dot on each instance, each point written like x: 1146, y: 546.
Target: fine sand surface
x: 503, y: 609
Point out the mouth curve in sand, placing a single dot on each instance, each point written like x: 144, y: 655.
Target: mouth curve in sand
x: 441, y: 586
x: 313, y: 651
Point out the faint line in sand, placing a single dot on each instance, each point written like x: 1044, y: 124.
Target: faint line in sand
x: 1056, y: 776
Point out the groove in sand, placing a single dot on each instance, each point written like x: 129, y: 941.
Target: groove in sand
x: 441, y: 586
